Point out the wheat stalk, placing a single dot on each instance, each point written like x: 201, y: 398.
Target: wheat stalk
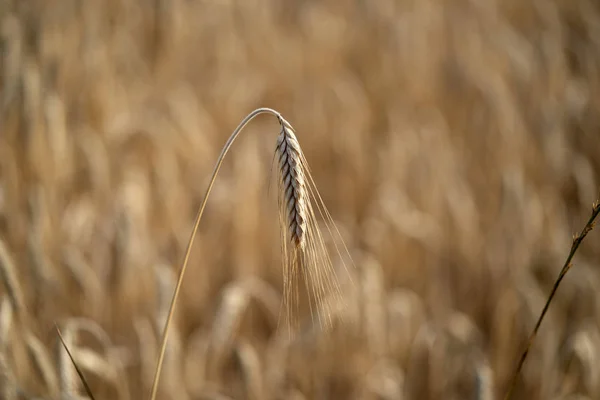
x: 303, y: 247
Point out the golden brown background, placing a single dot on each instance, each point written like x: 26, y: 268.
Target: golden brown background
x: 456, y: 144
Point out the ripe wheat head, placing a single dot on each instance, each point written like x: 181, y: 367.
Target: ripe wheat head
x: 303, y: 247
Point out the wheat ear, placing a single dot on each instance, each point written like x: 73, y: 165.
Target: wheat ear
x: 292, y: 184
x: 184, y: 264
x: 303, y: 246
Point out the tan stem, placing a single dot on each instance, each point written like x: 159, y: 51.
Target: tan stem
x: 226, y: 147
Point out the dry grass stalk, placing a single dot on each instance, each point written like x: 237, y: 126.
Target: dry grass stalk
x: 566, y: 267
x: 304, y: 249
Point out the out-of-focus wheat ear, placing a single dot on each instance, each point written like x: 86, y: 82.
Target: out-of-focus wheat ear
x: 385, y: 380
x: 144, y: 329
x: 224, y: 151
x: 106, y: 364
x: 579, y: 360
x: 8, y: 274
x: 419, y: 370
x: 68, y: 385
x: 252, y: 369
x: 8, y: 384
x: 12, y: 35
x: 86, y: 278
x: 225, y: 328
x: 196, y: 356
x: 484, y: 381
x: 373, y: 306
x: 42, y: 362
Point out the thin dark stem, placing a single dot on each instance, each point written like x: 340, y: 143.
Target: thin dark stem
x: 566, y: 267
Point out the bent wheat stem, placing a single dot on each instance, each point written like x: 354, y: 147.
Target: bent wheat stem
x: 303, y: 247
x: 234, y: 135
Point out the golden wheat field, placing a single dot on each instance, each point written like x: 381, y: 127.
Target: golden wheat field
x: 454, y: 142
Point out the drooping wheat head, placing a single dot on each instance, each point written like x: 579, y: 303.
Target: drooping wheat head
x: 303, y: 245
x: 292, y: 184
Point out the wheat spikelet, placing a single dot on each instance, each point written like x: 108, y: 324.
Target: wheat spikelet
x: 292, y: 183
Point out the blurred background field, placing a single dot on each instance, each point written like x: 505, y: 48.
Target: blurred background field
x: 455, y: 143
